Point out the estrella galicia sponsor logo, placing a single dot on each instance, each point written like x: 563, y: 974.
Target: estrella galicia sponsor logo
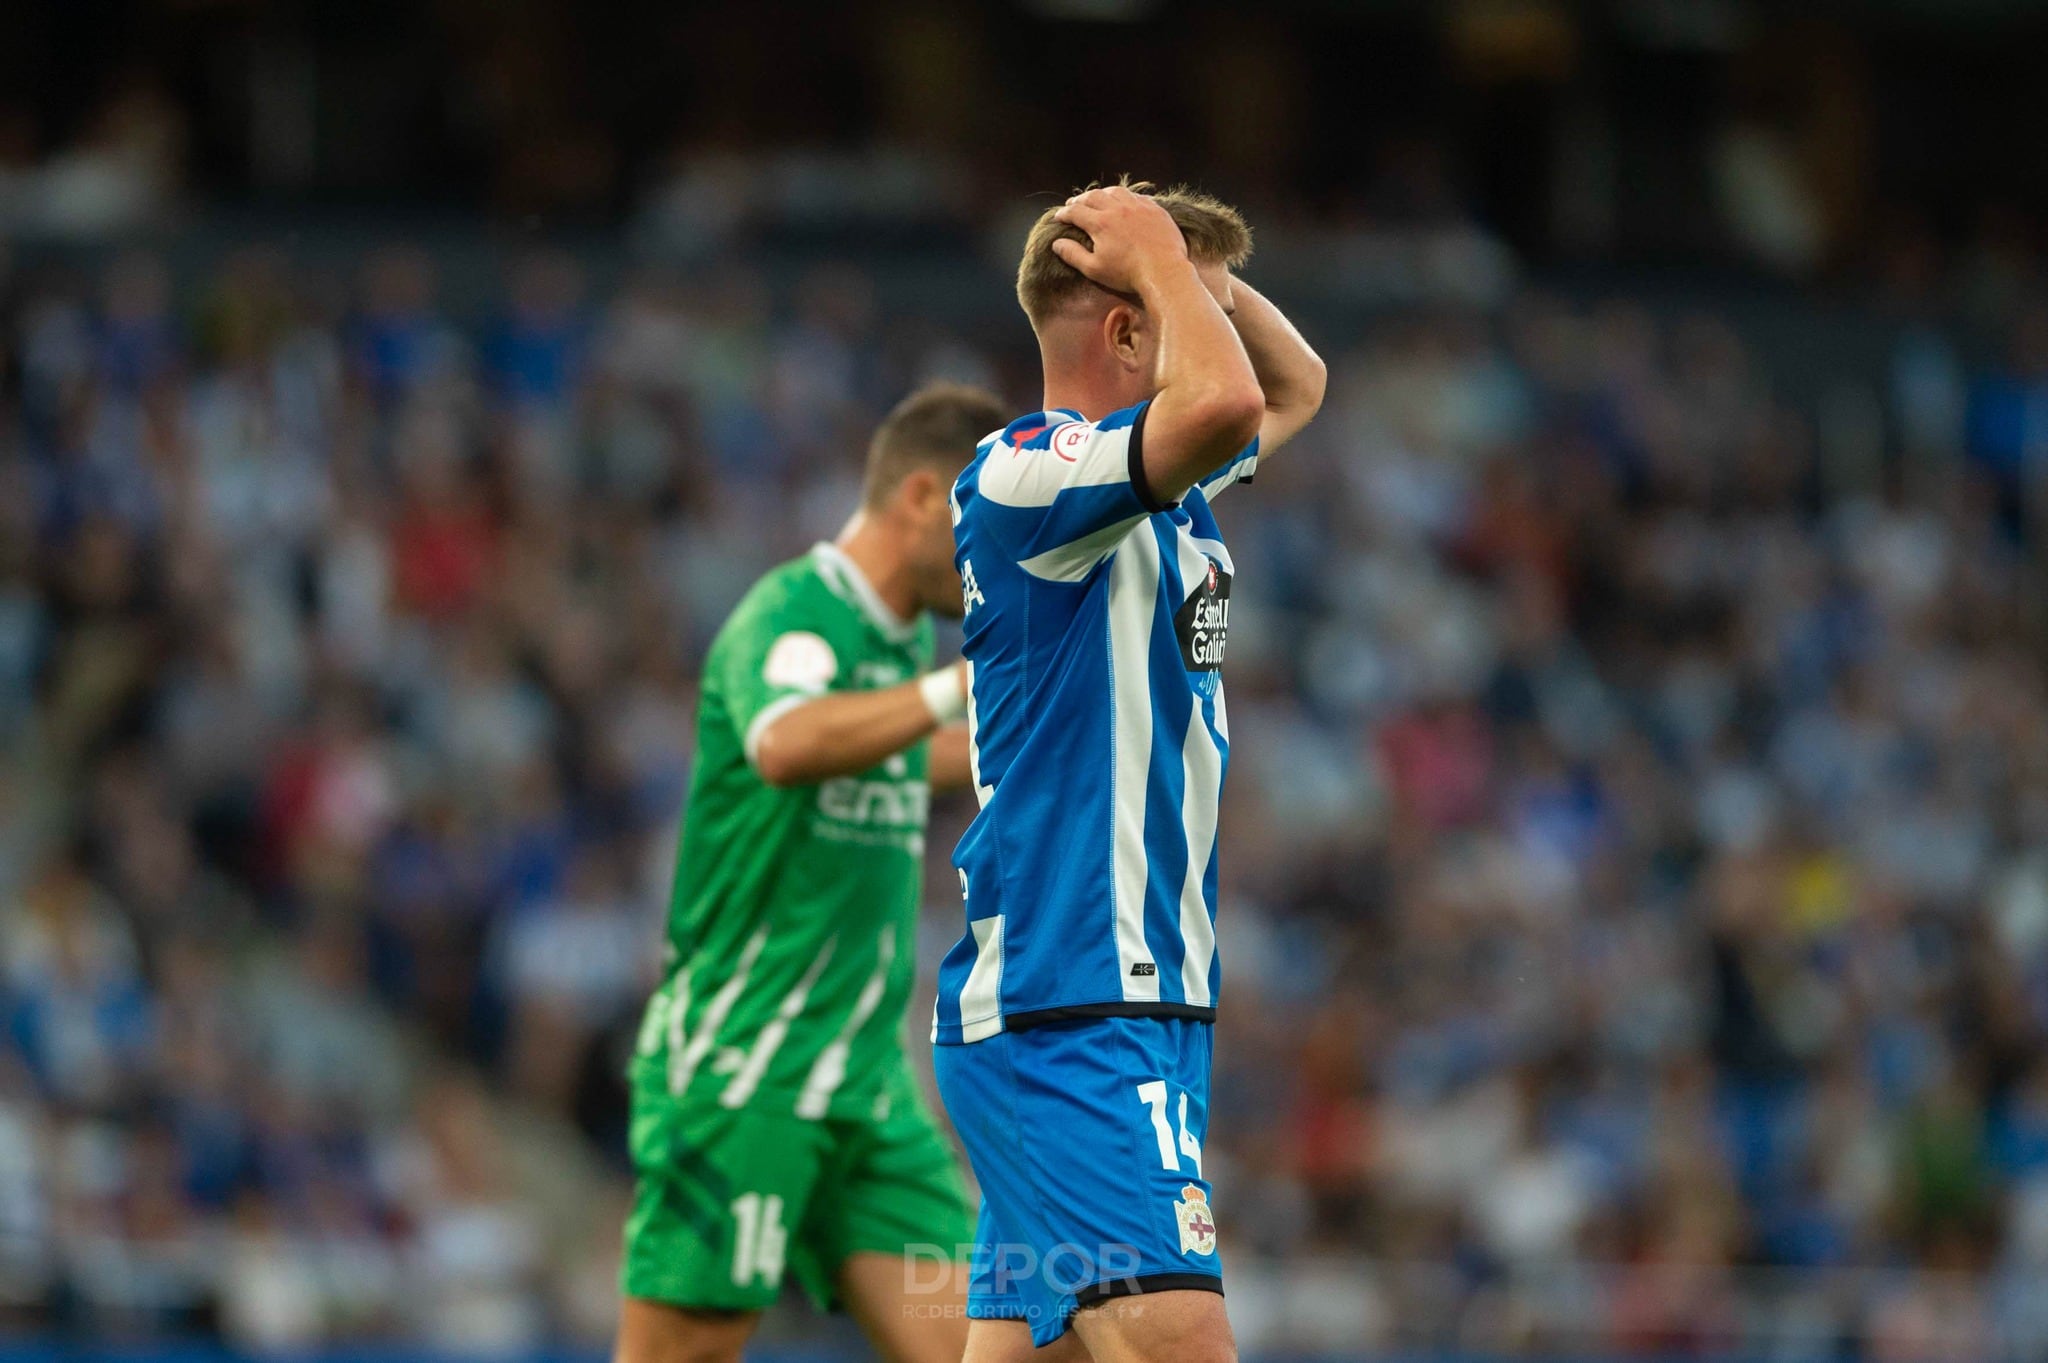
x: 1203, y: 621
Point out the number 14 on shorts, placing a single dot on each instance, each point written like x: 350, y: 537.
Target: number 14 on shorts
x: 759, y: 1240
x: 1153, y: 1094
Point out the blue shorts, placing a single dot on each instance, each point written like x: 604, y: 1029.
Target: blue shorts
x: 1086, y: 1137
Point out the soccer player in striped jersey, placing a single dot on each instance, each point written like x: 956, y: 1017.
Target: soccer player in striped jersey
x: 776, y: 1127
x: 1074, y: 1016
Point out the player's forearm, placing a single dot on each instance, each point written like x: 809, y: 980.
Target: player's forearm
x: 842, y: 734
x: 1290, y: 373
x: 946, y: 764
x: 1209, y: 404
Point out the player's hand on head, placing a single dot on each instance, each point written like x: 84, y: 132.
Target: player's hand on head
x: 1131, y: 235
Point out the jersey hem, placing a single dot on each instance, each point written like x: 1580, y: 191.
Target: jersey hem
x: 851, y: 1102
x: 1144, y: 1008
x: 955, y: 1034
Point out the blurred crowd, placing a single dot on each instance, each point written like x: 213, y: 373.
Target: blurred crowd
x: 1636, y: 890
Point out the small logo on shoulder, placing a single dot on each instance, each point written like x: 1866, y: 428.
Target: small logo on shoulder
x: 1069, y: 439
x: 1197, y: 1227
x: 1140, y: 969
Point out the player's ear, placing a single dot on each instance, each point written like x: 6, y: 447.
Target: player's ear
x: 921, y: 489
x: 1121, y: 328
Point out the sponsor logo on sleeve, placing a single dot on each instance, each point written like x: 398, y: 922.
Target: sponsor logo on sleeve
x: 800, y: 661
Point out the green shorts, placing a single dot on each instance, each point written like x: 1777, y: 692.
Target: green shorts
x: 727, y: 1199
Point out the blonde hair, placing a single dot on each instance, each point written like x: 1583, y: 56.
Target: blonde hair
x: 1215, y: 232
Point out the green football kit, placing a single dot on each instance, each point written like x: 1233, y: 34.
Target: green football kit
x: 775, y: 1120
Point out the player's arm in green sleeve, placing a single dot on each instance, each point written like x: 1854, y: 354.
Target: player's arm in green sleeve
x: 797, y: 731
x: 844, y: 733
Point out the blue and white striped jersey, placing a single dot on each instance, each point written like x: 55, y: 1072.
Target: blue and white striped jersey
x: 1096, y: 621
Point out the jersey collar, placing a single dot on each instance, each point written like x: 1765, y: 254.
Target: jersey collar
x: 844, y: 576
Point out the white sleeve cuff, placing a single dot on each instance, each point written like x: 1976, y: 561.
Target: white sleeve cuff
x: 772, y: 711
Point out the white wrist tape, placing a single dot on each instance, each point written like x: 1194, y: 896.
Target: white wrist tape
x: 945, y: 695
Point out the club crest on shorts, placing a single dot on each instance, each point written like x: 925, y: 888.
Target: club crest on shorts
x: 1197, y: 1227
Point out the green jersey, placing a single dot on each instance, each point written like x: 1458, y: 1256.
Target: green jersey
x: 790, y: 939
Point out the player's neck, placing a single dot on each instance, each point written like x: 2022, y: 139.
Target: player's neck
x: 1078, y: 388
x: 868, y: 545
